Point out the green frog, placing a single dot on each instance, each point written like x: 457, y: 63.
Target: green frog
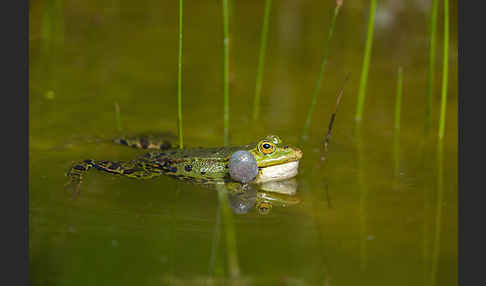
x: 276, y: 161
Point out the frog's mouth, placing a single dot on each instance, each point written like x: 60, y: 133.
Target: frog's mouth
x: 279, y: 172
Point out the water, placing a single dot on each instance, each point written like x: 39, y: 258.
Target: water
x: 368, y: 216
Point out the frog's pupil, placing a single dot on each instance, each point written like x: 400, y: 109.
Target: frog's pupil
x: 266, y: 146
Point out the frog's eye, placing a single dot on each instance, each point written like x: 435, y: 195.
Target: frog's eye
x: 264, y: 208
x: 266, y: 147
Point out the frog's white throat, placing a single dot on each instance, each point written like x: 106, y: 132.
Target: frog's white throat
x: 277, y: 172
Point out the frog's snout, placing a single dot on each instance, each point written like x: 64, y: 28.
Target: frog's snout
x: 298, y: 153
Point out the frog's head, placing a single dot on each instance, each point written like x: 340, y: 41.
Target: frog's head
x: 275, y: 160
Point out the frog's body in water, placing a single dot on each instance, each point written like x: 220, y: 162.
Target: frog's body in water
x: 275, y: 162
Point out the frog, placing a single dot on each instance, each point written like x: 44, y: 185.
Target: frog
x: 276, y: 161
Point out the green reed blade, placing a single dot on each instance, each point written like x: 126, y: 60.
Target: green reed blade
x: 118, y: 117
x: 321, y: 72
x: 366, y: 62
x: 445, y: 69
x: 59, y: 6
x: 46, y: 28
x: 226, y: 70
x: 52, y: 30
x: 440, y: 147
x: 47, y: 35
x: 431, y: 68
x: 398, y: 102
x: 52, y: 42
x: 396, y: 134
x: 179, y: 81
x: 261, y: 59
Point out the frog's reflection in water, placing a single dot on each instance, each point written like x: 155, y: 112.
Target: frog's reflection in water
x: 264, y: 196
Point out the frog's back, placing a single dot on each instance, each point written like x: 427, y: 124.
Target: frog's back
x: 210, y: 154
x: 196, y: 164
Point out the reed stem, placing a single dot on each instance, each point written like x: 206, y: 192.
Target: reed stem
x: 118, y: 117
x: 440, y: 177
x: 52, y: 42
x: 179, y: 81
x: 396, y: 133
x: 226, y: 71
x: 47, y: 27
x: 445, y: 69
x: 261, y: 60
x: 366, y: 62
x: 398, y: 102
x: 52, y: 30
x: 331, y: 121
x: 60, y: 22
x: 431, y: 69
x: 321, y: 73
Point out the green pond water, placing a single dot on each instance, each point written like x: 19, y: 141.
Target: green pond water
x: 381, y: 211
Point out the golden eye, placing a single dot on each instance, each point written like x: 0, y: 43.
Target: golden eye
x: 266, y: 147
x: 264, y: 208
